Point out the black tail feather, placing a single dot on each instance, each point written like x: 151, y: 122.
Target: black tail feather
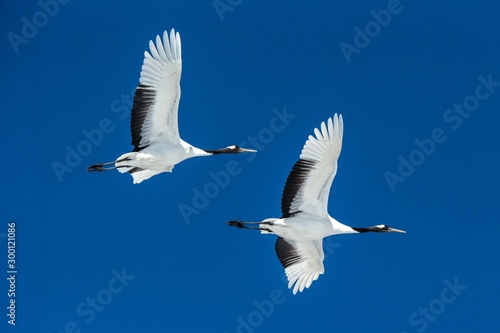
x: 244, y: 225
x: 237, y: 224
x: 99, y: 167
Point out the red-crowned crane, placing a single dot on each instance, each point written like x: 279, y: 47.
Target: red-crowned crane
x: 305, y: 220
x: 155, y: 132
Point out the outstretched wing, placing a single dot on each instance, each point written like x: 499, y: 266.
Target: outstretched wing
x: 303, y: 261
x: 156, y: 100
x: 308, y: 184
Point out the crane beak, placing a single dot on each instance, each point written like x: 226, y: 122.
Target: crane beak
x: 397, y: 230
x: 245, y: 150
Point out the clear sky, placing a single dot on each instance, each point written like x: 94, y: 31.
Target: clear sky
x: 418, y: 85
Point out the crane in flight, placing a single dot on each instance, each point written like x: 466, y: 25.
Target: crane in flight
x: 304, y: 205
x: 155, y: 132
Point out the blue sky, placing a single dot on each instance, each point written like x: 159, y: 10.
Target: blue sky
x: 418, y: 85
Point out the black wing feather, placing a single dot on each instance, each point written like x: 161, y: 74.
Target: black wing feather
x: 294, y: 182
x: 287, y: 254
x: 143, y: 101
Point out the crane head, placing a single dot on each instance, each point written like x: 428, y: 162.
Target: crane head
x: 386, y: 228
x: 233, y: 149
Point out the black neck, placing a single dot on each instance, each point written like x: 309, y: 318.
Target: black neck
x: 220, y: 151
x: 368, y: 229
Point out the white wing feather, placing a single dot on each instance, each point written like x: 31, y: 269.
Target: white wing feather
x: 323, y: 150
x: 301, y: 274
x: 161, y: 72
